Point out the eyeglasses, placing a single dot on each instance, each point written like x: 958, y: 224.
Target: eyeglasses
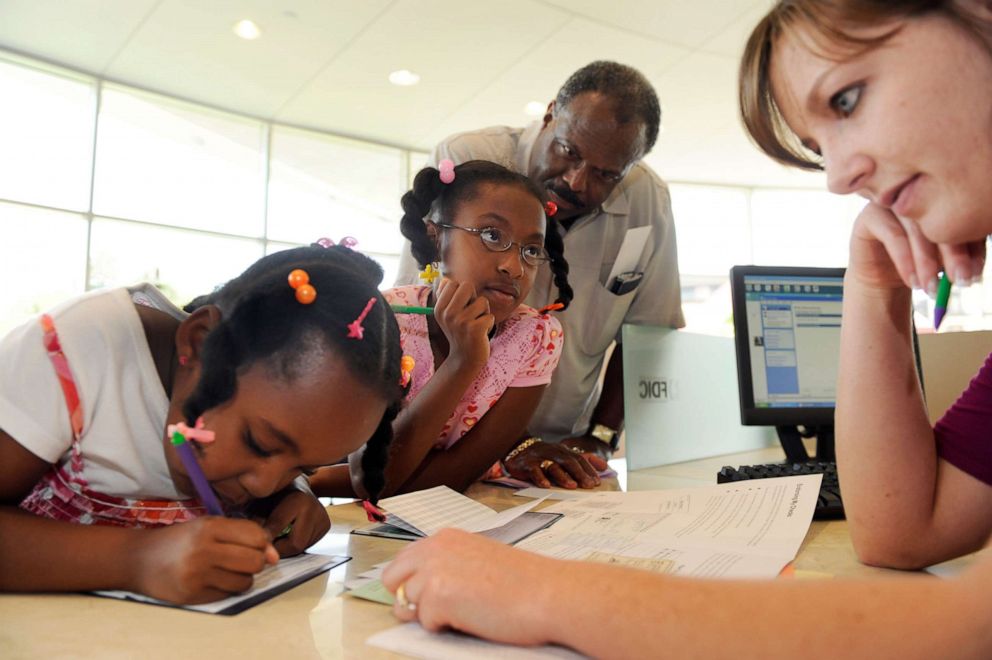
x: 496, y: 240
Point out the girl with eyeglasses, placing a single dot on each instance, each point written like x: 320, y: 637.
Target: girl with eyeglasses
x: 482, y: 359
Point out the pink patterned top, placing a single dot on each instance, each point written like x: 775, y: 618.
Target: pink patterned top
x: 523, y: 353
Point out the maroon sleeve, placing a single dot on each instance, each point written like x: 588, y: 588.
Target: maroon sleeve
x: 964, y: 433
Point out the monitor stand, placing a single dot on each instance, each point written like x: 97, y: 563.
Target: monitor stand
x: 795, y: 451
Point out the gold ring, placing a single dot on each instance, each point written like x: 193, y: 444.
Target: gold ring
x: 402, y: 600
x: 545, y: 464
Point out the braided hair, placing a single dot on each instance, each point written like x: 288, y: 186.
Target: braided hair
x: 430, y: 196
x: 262, y: 320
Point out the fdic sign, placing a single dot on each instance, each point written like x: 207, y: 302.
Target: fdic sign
x: 656, y: 389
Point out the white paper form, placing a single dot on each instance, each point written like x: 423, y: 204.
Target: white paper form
x: 412, y: 640
x: 746, y: 529
x: 425, y: 512
x: 630, y: 251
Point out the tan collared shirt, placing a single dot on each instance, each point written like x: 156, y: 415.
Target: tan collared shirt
x: 592, y: 321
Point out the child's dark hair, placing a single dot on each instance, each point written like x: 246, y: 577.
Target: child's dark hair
x: 262, y: 320
x: 430, y: 195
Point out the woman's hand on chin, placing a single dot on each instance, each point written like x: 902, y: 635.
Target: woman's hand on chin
x: 889, y: 253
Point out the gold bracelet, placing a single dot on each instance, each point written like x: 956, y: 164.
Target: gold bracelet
x: 522, y: 446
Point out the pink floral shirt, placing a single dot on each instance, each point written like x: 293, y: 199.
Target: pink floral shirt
x: 523, y: 353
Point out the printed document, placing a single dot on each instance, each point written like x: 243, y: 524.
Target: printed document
x: 746, y: 529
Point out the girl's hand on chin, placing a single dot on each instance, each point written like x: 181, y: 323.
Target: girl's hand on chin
x: 465, y: 320
x: 888, y: 253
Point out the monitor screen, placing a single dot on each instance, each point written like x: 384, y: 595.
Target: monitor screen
x: 787, y: 328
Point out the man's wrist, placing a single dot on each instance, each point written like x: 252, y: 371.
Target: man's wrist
x: 607, y: 435
x: 529, y: 442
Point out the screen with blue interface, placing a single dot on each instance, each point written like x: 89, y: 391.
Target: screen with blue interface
x: 793, y: 327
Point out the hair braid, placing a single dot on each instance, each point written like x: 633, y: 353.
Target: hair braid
x: 377, y: 453
x: 417, y: 205
x: 559, y: 266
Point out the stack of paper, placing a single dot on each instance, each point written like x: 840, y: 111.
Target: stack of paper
x: 425, y: 512
x: 746, y: 529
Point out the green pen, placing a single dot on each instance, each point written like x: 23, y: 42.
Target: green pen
x: 411, y: 309
x: 284, y: 533
x: 943, y: 294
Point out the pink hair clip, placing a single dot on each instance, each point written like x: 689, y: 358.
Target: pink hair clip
x: 374, y: 513
x: 447, y: 169
x: 355, y: 329
x: 198, y: 432
x: 348, y: 241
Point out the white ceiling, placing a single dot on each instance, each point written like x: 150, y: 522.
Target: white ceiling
x: 323, y: 64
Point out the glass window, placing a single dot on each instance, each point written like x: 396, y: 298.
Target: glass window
x: 42, y: 261
x: 325, y: 186
x: 802, y: 227
x: 390, y: 267
x: 163, y: 161
x: 418, y: 161
x: 711, y: 226
x: 184, y: 264
x: 46, y: 133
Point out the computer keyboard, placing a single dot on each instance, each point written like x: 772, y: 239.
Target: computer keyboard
x: 828, y: 504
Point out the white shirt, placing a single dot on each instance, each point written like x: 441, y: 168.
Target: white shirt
x: 593, y: 320
x: 124, y: 403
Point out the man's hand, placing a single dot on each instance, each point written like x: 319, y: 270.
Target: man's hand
x: 586, y: 444
x: 563, y: 466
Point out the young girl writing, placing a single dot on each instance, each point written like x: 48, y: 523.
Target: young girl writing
x: 482, y: 359
x: 894, y: 100
x: 90, y: 485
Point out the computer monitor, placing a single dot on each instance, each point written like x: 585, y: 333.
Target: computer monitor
x: 787, y: 338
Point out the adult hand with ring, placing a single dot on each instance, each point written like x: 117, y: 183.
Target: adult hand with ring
x: 545, y: 464
x: 402, y: 601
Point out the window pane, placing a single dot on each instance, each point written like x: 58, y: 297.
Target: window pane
x: 46, y: 133
x: 390, y: 263
x: 42, y: 261
x: 418, y: 161
x: 325, y: 186
x: 711, y: 228
x: 390, y: 267
x: 802, y: 227
x: 184, y: 264
x: 160, y: 160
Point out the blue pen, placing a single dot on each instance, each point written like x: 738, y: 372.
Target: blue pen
x: 200, y: 483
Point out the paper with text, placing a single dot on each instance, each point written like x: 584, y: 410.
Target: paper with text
x: 412, y: 640
x: 272, y: 581
x: 746, y: 529
x: 425, y: 512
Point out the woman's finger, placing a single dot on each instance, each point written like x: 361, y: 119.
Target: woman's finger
x: 926, y: 256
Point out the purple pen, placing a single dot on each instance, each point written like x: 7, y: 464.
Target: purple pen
x: 200, y: 483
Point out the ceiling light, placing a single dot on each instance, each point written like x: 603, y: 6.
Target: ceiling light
x: 404, y: 78
x: 534, y: 109
x: 247, y: 29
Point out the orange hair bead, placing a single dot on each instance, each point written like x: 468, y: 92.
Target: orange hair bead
x: 298, y: 278
x: 306, y: 294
